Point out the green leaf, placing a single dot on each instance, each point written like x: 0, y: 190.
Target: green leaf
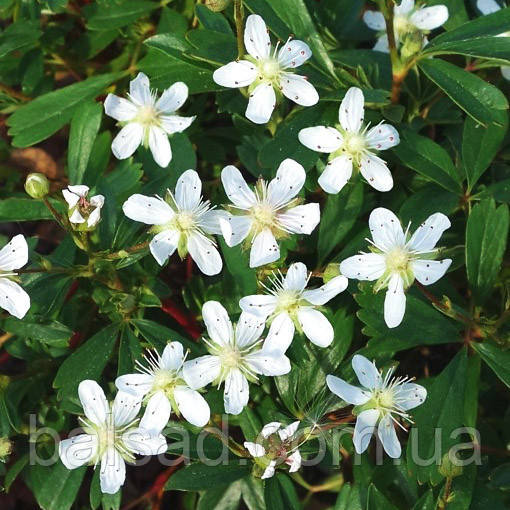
x: 39, y: 119
x: 19, y: 36
x: 475, y: 96
x: 462, y: 489
x: 486, y: 238
x: 426, y: 502
x: 87, y: 362
x: 496, y: 358
x: 280, y: 493
x: 199, y: 477
x: 51, y: 333
x: 480, y: 145
x: 348, y: 498
x: 116, y: 14
x: 84, y: 128
x: 253, y: 493
x: 428, y: 159
x: 212, y: 20
x: 221, y: 498
x: 26, y: 209
x: 376, y: 500
x: 482, y: 47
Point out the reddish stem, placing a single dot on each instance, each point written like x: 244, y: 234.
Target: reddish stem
x: 72, y: 290
x: 188, y: 322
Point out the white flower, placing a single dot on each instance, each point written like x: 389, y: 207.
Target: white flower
x: 276, y: 447
x: 147, y: 121
x: 235, y: 356
x: 489, y: 7
x: 163, y: 384
x: 112, y: 435
x: 408, y: 20
x: 83, y: 211
x: 352, y: 144
x: 13, y: 298
x: 379, y: 402
x: 289, y: 303
x: 265, y: 72
x: 396, y: 261
x: 183, y: 222
x: 268, y: 214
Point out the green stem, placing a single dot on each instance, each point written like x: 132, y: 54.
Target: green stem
x: 239, y: 18
x: 122, y: 254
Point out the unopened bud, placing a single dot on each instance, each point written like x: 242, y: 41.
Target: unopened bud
x: 5, y: 448
x: 331, y: 271
x: 37, y: 185
x: 450, y: 466
x: 217, y: 5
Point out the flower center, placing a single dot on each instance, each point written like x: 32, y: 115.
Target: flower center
x: 402, y: 25
x: 165, y: 381
x: 147, y: 115
x: 288, y: 301
x: 263, y: 215
x: 397, y: 260
x: 384, y: 399
x: 230, y: 358
x: 354, y: 144
x: 185, y: 221
x: 269, y: 69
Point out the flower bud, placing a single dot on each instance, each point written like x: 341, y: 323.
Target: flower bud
x: 449, y: 468
x: 331, y: 271
x: 217, y: 5
x: 5, y: 448
x: 37, y: 185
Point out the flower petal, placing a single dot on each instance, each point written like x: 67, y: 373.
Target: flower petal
x: 164, y: 244
x: 382, y: 44
x: 238, y: 192
x: 386, y: 229
x: 266, y: 362
x: 261, y: 104
x: 365, y: 266
x: 294, y: 53
x: 487, y: 6
x: 327, y: 292
x: 429, y: 232
x: 394, y: 302
x: 294, y: 461
x: 235, y: 229
x: 410, y: 395
x: 201, y: 371
x: 428, y: 18
x: 128, y: 140
x: 209, y: 221
x: 144, y: 442
x: 505, y: 71
x: 428, y: 272
x: 148, y: 210
x: 119, y: 108
x: 364, y: 428
x: 14, y: 254
x: 296, y: 277
x: 321, y: 138
x: 79, y: 189
x: 270, y: 428
x: 160, y: 146
x: 172, y: 357
x: 290, y: 178
x: 93, y: 401
x: 298, y: 89
x: 157, y: 413
x: 316, y: 326
x: 376, y: 172
x: 13, y: 298
x: 249, y: 328
x: 256, y: 37
x: 172, y: 98
x: 405, y: 7
x: 347, y: 392
x: 255, y: 450
x: 113, y: 471
x: 366, y: 372
x: 78, y: 450
x: 301, y: 219
x: 125, y: 408
x: 269, y: 471
x: 352, y: 110
x: 71, y: 198
x: 288, y: 431
x: 382, y: 137
x: 281, y: 333
x: 374, y: 20
x: 261, y: 305
x: 264, y: 249
x: 388, y: 437
x: 237, y: 392
x: 336, y: 174
x: 236, y: 74
x: 175, y: 123
x: 135, y: 384
x: 218, y: 324
x: 188, y: 190
x: 139, y: 90
x: 193, y: 406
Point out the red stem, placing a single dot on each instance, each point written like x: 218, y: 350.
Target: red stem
x: 188, y: 322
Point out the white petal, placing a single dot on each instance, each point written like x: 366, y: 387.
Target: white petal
x: 175, y: 123
x: 144, y: 442
x: 261, y: 305
x: 505, y: 71
x: 429, y: 232
x: 249, y: 328
x: 394, y: 302
x: 209, y: 221
x: 235, y: 229
x: 270, y: 428
x: 382, y: 44
x: 410, y: 395
x: 405, y: 7
x: 14, y: 254
x: 13, y: 298
x: 290, y: 178
x: 337, y: 173
x: 164, y: 244
x: 236, y: 74
x: 261, y: 104
x: 364, y: 428
x: 365, y: 266
x: 237, y: 393
x: 352, y: 110
x: 71, y: 198
x: 201, y: 371
x: 148, y: 210
x: 264, y: 249
x: 94, y: 218
x: 218, y: 323
x: 296, y: 277
x: 139, y: 90
x: 119, y: 108
x: 294, y: 461
x: 298, y: 89
x: 428, y: 272
x: 79, y: 189
x: 429, y: 18
x: 113, y: 471
x: 157, y: 413
x: 238, y: 192
x: 487, y: 6
x: 172, y: 98
x: 266, y: 362
x: 294, y: 53
x: 366, y: 372
x: 327, y: 292
x: 256, y: 450
x: 321, y: 138
x: 172, y: 357
x: 256, y: 37
x: 205, y: 254
x: 301, y: 219
x: 376, y: 172
x: 93, y: 401
x: 78, y: 450
x: 386, y: 229
x: 351, y: 394
x: 382, y: 137
x: 125, y: 408
x: 160, y: 146
x: 281, y: 333
x: 388, y: 437
x: 76, y: 217
x: 316, y: 327
x: 288, y: 431
x: 193, y: 406
x: 136, y: 384
x: 269, y: 471
x: 128, y: 140
x: 374, y: 20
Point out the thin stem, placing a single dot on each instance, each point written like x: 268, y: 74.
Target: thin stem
x: 239, y: 18
x: 43, y: 270
x: 445, y: 498
x: 55, y: 213
x: 13, y: 93
x: 122, y: 254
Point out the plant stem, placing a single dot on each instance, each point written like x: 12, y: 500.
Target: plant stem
x: 13, y: 93
x: 121, y: 254
x: 238, y: 17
